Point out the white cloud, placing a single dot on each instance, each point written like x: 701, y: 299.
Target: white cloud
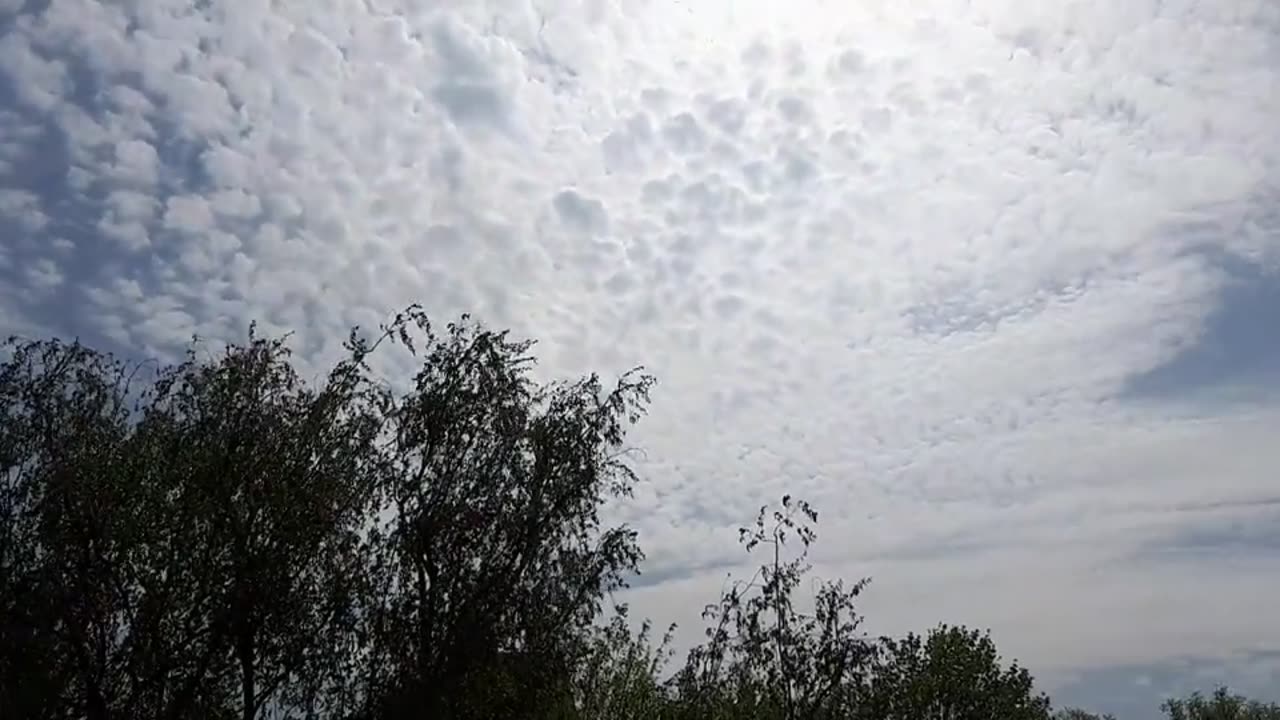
x: 42, y: 81
x: 137, y: 161
x: 901, y: 259
x: 188, y: 213
x: 44, y: 276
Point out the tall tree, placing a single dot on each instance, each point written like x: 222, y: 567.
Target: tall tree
x: 495, y: 558
x: 65, y: 553
x: 270, y: 482
x: 191, y: 540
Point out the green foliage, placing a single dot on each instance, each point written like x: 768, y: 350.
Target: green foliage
x: 220, y: 539
x: 1222, y: 705
x: 618, y: 674
x: 953, y: 673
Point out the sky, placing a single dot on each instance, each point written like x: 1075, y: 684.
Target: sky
x: 995, y: 284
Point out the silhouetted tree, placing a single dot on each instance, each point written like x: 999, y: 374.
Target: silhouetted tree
x: 953, y: 673
x: 494, y: 555
x: 1222, y: 705
x: 619, y: 675
x: 220, y: 540
x: 65, y: 563
x: 270, y: 482
x: 1078, y: 714
x: 191, y: 543
x: 765, y: 659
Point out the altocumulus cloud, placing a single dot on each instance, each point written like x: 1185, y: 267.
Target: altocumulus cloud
x: 922, y: 263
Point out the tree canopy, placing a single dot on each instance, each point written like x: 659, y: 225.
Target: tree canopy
x: 219, y: 538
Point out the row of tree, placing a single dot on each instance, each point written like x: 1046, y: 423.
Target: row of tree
x: 220, y: 539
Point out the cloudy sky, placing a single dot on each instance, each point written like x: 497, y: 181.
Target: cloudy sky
x: 994, y: 284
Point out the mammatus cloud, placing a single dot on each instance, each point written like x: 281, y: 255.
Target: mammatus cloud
x: 911, y: 261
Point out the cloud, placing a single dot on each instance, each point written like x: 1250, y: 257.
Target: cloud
x: 582, y: 213
x: 984, y: 284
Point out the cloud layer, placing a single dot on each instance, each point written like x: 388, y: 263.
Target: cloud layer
x: 912, y: 261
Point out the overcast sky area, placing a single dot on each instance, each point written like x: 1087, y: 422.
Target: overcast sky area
x: 994, y: 285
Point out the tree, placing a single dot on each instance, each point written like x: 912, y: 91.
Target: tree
x: 64, y: 564
x: 1222, y: 705
x: 224, y: 540
x: 192, y: 540
x: 221, y: 540
x: 951, y: 674
x: 765, y: 659
x: 493, y: 556
x: 1072, y: 713
x: 269, y: 482
x: 618, y: 675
